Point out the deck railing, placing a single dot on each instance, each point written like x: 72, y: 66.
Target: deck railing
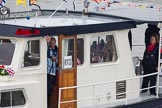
x: 108, y: 82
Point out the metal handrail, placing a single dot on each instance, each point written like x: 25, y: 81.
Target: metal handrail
x: 95, y: 84
x: 106, y: 95
x: 138, y: 45
x: 109, y: 81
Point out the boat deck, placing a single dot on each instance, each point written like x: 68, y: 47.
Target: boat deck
x: 144, y: 101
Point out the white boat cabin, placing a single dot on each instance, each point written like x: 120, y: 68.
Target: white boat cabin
x: 95, y: 65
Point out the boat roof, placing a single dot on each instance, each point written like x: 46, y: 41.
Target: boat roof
x: 60, y: 23
x: 139, y: 12
x: 113, y: 17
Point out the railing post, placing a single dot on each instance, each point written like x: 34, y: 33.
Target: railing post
x: 157, y: 85
x: 93, y: 106
x: 93, y: 98
x: 126, y: 100
x: 159, y: 69
x: 59, y: 98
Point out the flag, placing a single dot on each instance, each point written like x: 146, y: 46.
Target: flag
x: 21, y: 2
x: 2, y: 2
x: 33, y: 2
x: 10, y: 71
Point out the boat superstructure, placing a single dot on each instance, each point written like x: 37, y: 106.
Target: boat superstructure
x: 102, y: 77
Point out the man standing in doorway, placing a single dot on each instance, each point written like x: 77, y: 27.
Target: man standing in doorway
x: 52, y: 54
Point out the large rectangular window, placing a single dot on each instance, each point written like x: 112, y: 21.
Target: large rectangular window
x: 80, y: 51
x: 32, y: 53
x: 68, y: 53
x: 12, y: 98
x: 7, y: 48
x: 102, y: 49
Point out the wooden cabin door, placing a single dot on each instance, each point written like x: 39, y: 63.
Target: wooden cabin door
x: 68, y: 68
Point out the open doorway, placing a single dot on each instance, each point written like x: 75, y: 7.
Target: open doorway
x: 52, y: 68
x: 66, y: 68
x: 145, y: 50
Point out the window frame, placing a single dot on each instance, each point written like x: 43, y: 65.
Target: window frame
x: 15, y: 50
x: 12, y: 90
x: 84, y: 49
x: 116, y: 47
x: 63, y: 40
x: 35, y: 66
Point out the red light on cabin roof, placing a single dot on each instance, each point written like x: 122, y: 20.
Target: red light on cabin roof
x: 27, y: 32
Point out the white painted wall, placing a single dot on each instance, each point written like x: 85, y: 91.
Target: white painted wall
x: 32, y: 79
x: 122, y: 68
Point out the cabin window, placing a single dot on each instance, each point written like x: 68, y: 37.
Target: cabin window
x: 80, y: 51
x: 32, y: 53
x: 12, y: 98
x: 102, y: 49
x: 68, y: 53
x: 7, y: 47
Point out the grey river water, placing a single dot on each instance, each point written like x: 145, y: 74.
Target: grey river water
x: 50, y: 4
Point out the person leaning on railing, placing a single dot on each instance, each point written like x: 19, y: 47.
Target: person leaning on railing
x: 150, y: 65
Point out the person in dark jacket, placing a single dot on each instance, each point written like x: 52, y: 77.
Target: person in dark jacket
x: 150, y: 64
x: 52, y: 58
x: 152, y: 29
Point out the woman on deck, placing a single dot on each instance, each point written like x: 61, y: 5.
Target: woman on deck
x: 150, y: 64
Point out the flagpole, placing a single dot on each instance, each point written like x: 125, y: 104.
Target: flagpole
x: 64, y: 1
x: 28, y: 8
x: 15, y: 10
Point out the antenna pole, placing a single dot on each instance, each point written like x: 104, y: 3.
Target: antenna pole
x: 74, y: 5
x: 64, y: 1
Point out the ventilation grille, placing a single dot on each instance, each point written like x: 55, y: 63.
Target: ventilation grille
x: 120, y: 89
